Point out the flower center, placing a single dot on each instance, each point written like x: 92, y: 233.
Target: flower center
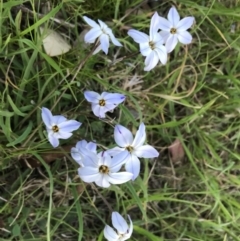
x: 129, y: 149
x: 173, y: 30
x: 152, y: 45
x: 102, y: 102
x: 103, y: 169
x: 122, y: 235
x: 55, y: 128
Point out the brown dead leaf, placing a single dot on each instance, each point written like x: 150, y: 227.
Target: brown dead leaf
x: 176, y: 151
x: 81, y: 188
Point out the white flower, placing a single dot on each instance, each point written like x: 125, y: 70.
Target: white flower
x: 79, y: 151
x: 58, y: 127
x: 101, y: 31
x: 174, y: 29
x: 151, y: 46
x: 104, y: 102
x: 133, y: 148
x: 124, y: 231
x: 102, y: 169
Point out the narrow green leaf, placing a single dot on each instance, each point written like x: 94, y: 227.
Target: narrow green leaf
x: 15, y: 109
x: 42, y: 20
x: 79, y: 213
x: 4, y: 126
x: 6, y: 113
x: 136, y: 199
x: 18, y: 20
x: 145, y: 233
x: 23, y: 136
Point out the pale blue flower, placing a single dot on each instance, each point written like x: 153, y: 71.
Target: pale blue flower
x: 104, y: 102
x: 103, y: 170
x: 58, y: 127
x: 134, y: 148
x: 174, y: 29
x: 101, y: 31
x: 123, y: 230
x: 80, y: 150
x: 150, y: 46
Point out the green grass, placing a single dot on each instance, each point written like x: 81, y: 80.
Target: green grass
x: 195, y: 98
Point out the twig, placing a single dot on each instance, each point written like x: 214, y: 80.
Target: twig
x: 133, y: 9
x: 62, y: 22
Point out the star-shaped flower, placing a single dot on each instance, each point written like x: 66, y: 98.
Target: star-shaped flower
x: 151, y: 46
x: 174, y: 29
x: 134, y: 148
x: 79, y: 151
x: 123, y: 231
x: 101, y: 31
x: 58, y: 127
x: 104, y: 102
x: 103, y: 170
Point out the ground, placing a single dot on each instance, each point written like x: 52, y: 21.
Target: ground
x: 190, y: 106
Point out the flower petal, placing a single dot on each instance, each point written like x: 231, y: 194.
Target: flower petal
x: 69, y: 126
x: 90, y: 159
x: 92, y: 146
x: 119, y: 178
x: 62, y: 135
x: 81, y: 144
x: 99, y: 47
x: 88, y: 174
x: 118, y: 161
x: 92, y: 96
x: 154, y: 25
x: 133, y: 166
x: 145, y: 49
x: 138, y: 37
x: 162, y: 54
x: 173, y: 16
x: 113, y: 39
x: 46, y: 117
x: 184, y: 37
x: 90, y: 22
x: 92, y: 35
x: 140, y: 136
x: 103, y: 25
x: 109, y: 107
x: 98, y: 110
x: 165, y: 35
x: 53, y: 140
x: 185, y: 24
x: 102, y: 181
x: 115, y: 151
x: 76, y: 155
x: 106, y: 159
x: 104, y: 41
x: 122, y: 136
x: 110, y: 234
x: 151, y: 61
x: 119, y: 223
x: 146, y: 151
x: 113, y: 98
x: 171, y: 42
x: 164, y: 24
x: 57, y: 119
x: 130, y: 227
x: 157, y: 39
